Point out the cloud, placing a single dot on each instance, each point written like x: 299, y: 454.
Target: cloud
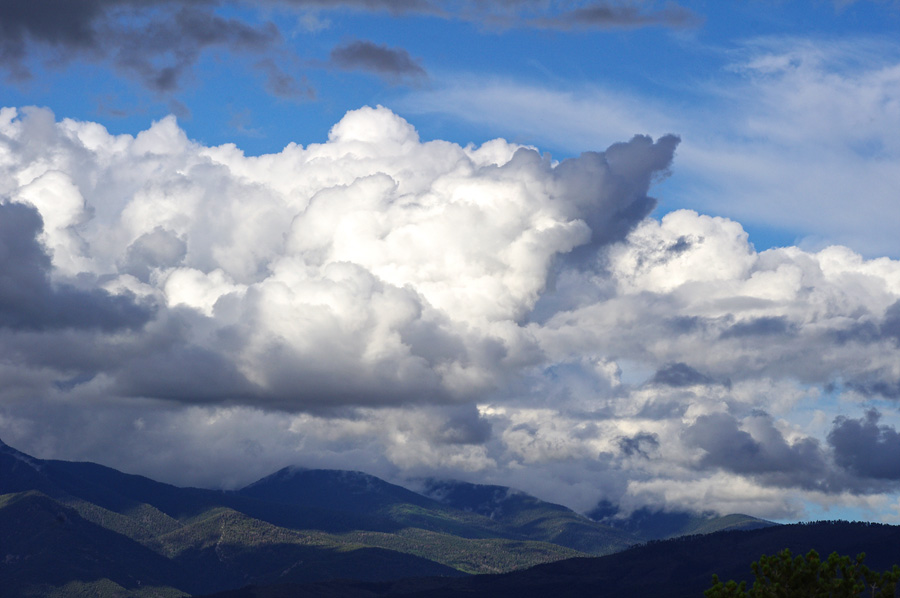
x: 160, y: 43
x: 156, y: 43
x: 418, y: 308
x: 609, y: 15
x: 282, y: 84
x: 790, y: 134
x: 767, y: 314
x: 763, y: 453
x: 327, y: 276
x: 396, y: 7
x: 393, y: 64
x: 642, y: 444
x: 679, y: 374
x: 569, y: 119
x: 765, y: 326
x: 28, y: 300
x: 865, y: 448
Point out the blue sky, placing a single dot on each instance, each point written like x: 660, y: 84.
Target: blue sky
x: 256, y: 269
x: 655, y: 79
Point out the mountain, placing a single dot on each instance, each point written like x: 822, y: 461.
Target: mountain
x: 69, y: 529
x: 530, y: 517
x: 47, y: 546
x: 387, y: 507
x: 106, y: 533
x: 398, y: 517
x: 656, y: 524
x: 677, y: 568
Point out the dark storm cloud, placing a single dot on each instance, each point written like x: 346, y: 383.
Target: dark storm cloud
x: 890, y: 326
x: 157, y: 42
x: 61, y: 23
x: 28, y: 301
x: 185, y: 373
x: 868, y: 329
x: 162, y: 48
x: 768, y: 457
x: 393, y: 64
x: 865, y: 448
x: 679, y: 375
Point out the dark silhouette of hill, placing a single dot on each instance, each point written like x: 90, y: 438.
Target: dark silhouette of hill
x: 677, y: 568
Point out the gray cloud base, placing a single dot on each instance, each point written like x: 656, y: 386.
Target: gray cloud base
x: 28, y: 300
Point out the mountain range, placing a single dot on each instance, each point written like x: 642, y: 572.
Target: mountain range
x: 69, y: 529
x: 675, y: 568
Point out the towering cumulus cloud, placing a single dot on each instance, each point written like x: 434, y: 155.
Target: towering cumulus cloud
x: 383, y: 303
x: 373, y: 269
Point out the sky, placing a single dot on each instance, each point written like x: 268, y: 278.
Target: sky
x: 597, y: 250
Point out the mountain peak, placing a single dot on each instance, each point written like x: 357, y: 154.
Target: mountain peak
x: 20, y: 456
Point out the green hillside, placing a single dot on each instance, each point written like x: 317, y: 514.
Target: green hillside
x: 677, y: 568
x: 50, y: 549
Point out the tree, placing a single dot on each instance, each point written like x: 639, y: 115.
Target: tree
x: 784, y: 576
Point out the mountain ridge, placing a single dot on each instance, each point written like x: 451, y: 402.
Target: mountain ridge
x: 296, y: 525
x: 674, y: 568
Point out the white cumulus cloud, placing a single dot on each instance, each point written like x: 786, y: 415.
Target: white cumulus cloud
x: 415, y: 308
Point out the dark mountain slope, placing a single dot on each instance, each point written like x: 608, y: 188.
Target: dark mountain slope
x: 679, y: 568
x: 320, y: 525
x: 389, y: 508
x: 46, y: 543
x: 21, y: 473
x: 227, y: 549
x: 157, y: 505
x: 530, y: 517
x: 332, y: 489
